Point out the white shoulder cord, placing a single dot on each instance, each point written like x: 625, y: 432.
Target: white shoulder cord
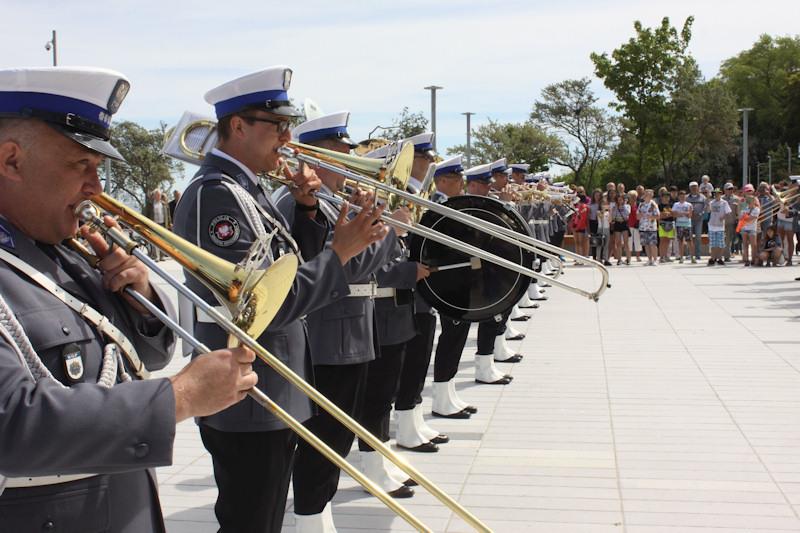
x: 11, y: 330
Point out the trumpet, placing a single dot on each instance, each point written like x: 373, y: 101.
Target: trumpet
x: 264, y: 292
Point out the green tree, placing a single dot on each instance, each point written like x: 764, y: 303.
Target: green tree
x: 697, y: 129
x: 519, y: 143
x: 406, y: 124
x: 766, y: 77
x: 587, y: 131
x: 643, y: 73
x: 146, y: 168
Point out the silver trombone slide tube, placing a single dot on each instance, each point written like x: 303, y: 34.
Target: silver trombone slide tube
x: 509, y: 235
x: 468, y: 249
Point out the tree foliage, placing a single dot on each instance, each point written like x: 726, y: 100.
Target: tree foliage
x: 406, y: 124
x: 766, y: 77
x: 643, y: 73
x: 519, y: 143
x: 587, y: 131
x: 146, y: 168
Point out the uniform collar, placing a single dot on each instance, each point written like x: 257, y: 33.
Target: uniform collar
x: 223, y: 155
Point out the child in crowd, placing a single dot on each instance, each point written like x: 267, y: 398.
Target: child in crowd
x: 633, y: 226
x: 718, y: 211
x: 683, y: 225
x: 666, y: 226
x: 620, y: 211
x: 648, y: 226
x: 748, y: 223
x: 604, y: 231
x: 772, y: 250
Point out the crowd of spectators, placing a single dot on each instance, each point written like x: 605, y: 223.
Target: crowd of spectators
x: 704, y: 223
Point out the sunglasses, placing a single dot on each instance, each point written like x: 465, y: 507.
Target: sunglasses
x: 281, y: 125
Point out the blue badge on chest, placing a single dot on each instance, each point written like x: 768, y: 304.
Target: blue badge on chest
x: 6, y: 238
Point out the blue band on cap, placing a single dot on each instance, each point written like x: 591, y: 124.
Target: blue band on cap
x: 232, y: 105
x: 324, y: 133
x: 424, y: 147
x: 486, y: 176
x: 18, y: 102
x: 448, y: 170
x: 500, y: 169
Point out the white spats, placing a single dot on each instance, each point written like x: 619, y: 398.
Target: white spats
x: 408, y: 434
x: 315, y: 523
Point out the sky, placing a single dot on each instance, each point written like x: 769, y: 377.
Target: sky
x: 371, y: 58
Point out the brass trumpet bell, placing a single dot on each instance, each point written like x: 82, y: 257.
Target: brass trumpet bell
x: 253, y: 298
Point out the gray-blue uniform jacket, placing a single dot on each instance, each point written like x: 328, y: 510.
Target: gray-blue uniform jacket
x: 394, y: 316
x: 209, y: 214
x: 342, y: 332
x: 46, y: 430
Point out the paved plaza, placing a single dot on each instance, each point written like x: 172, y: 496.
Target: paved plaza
x: 672, y: 405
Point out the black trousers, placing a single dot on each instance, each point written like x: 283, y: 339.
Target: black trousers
x: 316, y: 479
x: 382, y: 376
x: 415, y: 367
x: 252, y: 471
x: 452, y: 340
x: 488, y: 332
x: 557, y: 238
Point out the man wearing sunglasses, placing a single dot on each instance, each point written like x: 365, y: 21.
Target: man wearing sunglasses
x: 225, y: 210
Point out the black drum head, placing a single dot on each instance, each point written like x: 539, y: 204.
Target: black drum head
x: 472, y: 294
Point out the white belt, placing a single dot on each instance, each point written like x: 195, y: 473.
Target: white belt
x: 25, y: 482
x: 371, y: 290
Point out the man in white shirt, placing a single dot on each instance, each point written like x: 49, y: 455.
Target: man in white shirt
x: 719, y: 209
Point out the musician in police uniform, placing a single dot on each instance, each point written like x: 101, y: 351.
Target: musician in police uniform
x: 342, y: 336
x: 80, y: 430
x: 405, y: 335
x: 226, y: 210
x: 517, y: 175
x: 500, y: 191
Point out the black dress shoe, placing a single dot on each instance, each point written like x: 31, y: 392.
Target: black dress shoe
x: 402, y: 492
x: 461, y: 415
x: 427, y: 447
x: 505, y: 380
x: 516, y: 358
x: 440, y: 439
x: 517, y: 337
x: 523, y: 318
x: 471, y: 409
x: 410, y: 483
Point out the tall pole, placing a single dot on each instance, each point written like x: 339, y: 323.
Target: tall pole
x: 769, y: 168
x: 469, y: 114
x: 789, y: 159
x: 433, y: 89
x: 52, y: 44
x: 744, y: 111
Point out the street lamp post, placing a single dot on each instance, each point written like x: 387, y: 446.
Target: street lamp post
x: 769, y: 168
x: 789, y: 159
x: 52, y: 45
x: 744, y: 111
x: 433, y: 89
x: 469, y: 114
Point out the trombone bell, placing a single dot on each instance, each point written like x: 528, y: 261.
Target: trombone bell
x: 191, y: 139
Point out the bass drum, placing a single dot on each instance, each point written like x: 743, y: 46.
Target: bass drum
x: 472, y: 294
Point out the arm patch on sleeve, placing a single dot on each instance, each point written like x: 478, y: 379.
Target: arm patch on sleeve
x: 224, y: 230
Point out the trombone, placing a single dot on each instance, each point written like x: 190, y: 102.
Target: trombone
x: 262, y: 292
x: 189, y: 139
x: 336, y: 162
x: 782, y: 199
